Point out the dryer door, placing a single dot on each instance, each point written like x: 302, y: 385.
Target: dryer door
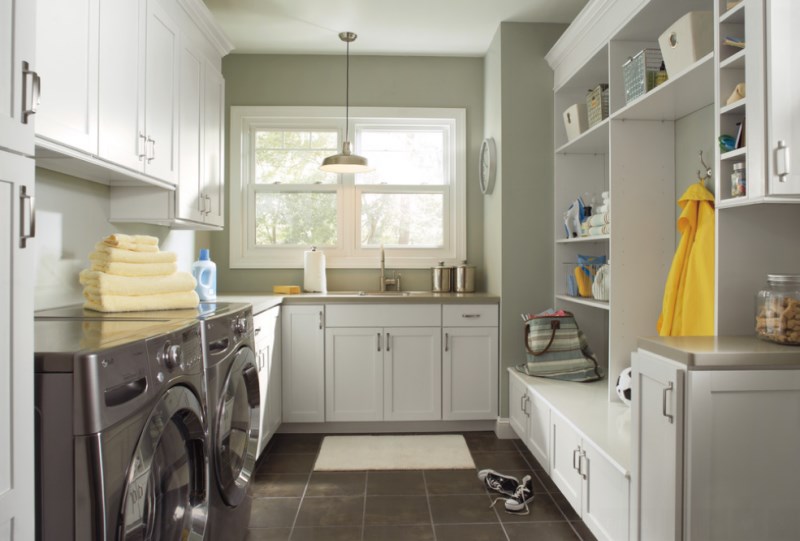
x: 166, y: 493
x: 236, y: 438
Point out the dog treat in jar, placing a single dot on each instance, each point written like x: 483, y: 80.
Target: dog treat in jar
x: 778, y: 309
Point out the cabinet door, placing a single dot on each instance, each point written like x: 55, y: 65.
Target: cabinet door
x: 605, y: 495
x: 742, y: 447
x: 274, y: 394
x: 213, y: 115
x: 17, y: 45
x: 517, y: 416
x: 657, y: 454
x: 303, y: 363
x: 67, y: 61
x: 412, y: 374
x: 121, y: 129
x: 354, y: 374
x: 189, y: 204
x: 783, y: 100
x: 564, y: 459
x: 469, y: 364
x: 264, y: 330
x: 538, y: 438
x: 17, y: 449
x: 161, y: 93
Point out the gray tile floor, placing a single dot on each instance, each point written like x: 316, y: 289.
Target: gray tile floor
x: 292, y: 502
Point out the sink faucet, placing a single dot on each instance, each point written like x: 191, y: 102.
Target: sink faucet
x: 395, y: 281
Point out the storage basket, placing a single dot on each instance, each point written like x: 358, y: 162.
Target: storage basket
x: 597, y: 104
x: 639, y: 73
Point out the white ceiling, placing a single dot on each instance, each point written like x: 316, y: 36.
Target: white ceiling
x: 384, y: 27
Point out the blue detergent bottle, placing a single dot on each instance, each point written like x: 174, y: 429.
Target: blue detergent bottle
x: 205, y: 272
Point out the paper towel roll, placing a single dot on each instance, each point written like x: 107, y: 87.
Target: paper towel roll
x: 314, y: 271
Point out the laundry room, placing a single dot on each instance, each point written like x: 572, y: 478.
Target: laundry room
x: 266, y: 263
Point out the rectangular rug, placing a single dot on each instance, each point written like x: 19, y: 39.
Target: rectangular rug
x: 411, y: 452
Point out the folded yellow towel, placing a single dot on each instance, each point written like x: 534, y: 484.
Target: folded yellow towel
x: 286, y: 290
x: 136, y: 243
x: 134, y: 269
x: 106, y: 253
x: 126, y: 303
x: 110, y: 284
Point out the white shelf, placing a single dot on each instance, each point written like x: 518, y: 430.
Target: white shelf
x: 735, y: 61
x: 602, y: 305
x: 733, y: 154
x: 679, y: 96
x: 595, y: 238
x: 592, y: 141
x: 735, y: 108
x: 734, y: 15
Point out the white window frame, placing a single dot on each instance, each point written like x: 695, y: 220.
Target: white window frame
x: 246, y: 120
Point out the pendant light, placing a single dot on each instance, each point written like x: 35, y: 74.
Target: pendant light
x: 346, y: 162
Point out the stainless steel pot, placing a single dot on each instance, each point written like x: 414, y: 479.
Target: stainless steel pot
x: 465, y: 278
x: 442, y: 278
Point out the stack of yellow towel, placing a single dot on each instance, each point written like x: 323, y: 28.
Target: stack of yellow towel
x: 129, y: 273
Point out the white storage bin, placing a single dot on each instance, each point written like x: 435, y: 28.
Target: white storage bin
x: 575, y: 120
x: 690, y: 38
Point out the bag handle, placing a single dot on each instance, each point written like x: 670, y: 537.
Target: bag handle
x: 554, y: 326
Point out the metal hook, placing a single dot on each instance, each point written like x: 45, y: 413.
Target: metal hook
x: 707, y: 169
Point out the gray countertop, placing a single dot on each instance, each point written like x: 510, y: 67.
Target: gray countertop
x: 723, y: 352
x: 265, y: 301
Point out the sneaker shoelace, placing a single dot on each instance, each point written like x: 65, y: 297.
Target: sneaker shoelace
x: 519, y: 496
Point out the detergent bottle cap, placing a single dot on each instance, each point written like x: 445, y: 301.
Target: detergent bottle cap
x: 204, y: 255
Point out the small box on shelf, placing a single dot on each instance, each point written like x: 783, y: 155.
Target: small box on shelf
x: 597, y: 104
x: 687, y: 40
x: 639, y: 73
x: 575, y: 120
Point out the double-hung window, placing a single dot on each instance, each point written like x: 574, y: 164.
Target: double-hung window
x: 413, y: 204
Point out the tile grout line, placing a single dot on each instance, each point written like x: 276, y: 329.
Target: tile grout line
x: 364, y: 509
x: 428, y: 500
x: 305, y: 490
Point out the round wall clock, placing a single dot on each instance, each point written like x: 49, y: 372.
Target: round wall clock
x: 487, y: 165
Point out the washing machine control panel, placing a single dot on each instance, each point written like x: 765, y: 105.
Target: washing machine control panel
x: 177, y: 353
x: 239, y: 325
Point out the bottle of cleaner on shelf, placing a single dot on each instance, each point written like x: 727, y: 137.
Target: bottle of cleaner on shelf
x: 205, y: 272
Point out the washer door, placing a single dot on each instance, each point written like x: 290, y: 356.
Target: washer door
x: 166, y: 493
x: 238, y: 424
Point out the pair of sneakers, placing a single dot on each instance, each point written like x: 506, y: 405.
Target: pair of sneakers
x: 518, y: 495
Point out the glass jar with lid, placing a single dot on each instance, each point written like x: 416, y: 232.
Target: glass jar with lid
x: 778, y: 309
x: 739, y: 180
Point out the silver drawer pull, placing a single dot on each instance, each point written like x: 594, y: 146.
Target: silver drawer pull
x: 26, y: 200
x: 470, y: 316
x: 667, y: 389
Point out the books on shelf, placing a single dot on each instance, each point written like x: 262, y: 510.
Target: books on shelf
x: 734, y: 42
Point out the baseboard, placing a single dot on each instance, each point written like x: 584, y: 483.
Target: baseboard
x: 503, y: 430
x: 381, y: 427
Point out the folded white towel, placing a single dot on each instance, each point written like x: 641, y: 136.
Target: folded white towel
x: 134, y: 269
x: 111, y: 284
x: 600, y: 219
x: 126, y: 303
x: 603, y: 208
x: 600, y: 230
x: 106, y: 253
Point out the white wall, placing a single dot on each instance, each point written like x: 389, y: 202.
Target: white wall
x: 72, y: 215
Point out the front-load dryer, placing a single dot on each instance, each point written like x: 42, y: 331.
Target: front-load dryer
x: 122, y: 446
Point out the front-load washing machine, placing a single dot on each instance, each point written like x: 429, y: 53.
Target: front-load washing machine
x: 234, y: 408
x: 122, y: 447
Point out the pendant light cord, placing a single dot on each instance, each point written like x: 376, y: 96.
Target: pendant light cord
x: 347, y: 98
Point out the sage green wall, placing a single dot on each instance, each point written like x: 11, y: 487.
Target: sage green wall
x: 376, y: 81
x: 519, y: 215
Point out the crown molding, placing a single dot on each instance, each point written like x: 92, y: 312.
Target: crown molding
x: 202, y: 17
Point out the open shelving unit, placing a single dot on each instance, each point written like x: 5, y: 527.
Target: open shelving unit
x: 630, y: 154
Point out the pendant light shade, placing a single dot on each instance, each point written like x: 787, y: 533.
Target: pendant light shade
x: 346, y: 162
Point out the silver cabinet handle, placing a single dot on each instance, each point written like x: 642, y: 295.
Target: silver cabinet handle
x: 379, y: 341
x: 525, y: 408
x: 522, y: 403
x: 581, y: 458
x: 470, y: 316
x: 257, y: 330
x: 266, y: 356
x: 208, y: 208
x: 151, y: 155
x: 320, y: 319
x: 35, y: 95
x: 388, y: 342
x: 782, y: 161
x: 201, y: 204
x: 141, y: 146
x: 576, y: 459
x: 28, y: 201
x: 446, y: 340
x: 667, y: 389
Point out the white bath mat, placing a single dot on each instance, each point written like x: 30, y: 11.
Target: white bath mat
x: 414, y: 452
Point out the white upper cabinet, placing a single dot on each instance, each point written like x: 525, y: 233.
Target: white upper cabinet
x: 18, y: 87
x: 188, y: 201
x: 213, y: 141
x: 783, y: 17
x: 66, y: 53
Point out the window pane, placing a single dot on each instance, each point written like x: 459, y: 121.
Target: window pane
x: 294, y: 156
x: 403, y: 156
x: 296, y: 218
x: 410, y: 220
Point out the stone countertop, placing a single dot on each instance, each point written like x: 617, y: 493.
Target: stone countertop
x: 262, y: 301
x: 723, y: 352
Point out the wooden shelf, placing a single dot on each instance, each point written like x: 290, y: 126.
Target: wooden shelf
x: 595, y: 238
x: 735, y: 61
x: 592, y: 141
x: 602, y: 305
x: 678, y: 97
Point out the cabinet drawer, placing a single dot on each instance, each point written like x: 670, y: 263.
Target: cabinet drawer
x: 469, y: 315
x: 383, y: 315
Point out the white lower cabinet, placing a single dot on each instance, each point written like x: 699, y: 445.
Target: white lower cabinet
x: 266, y: 326
x: 469, y: 366
x: 715, y: 461
x: 376, y: 373
x: 303, y: 363
x: 530, y: 418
